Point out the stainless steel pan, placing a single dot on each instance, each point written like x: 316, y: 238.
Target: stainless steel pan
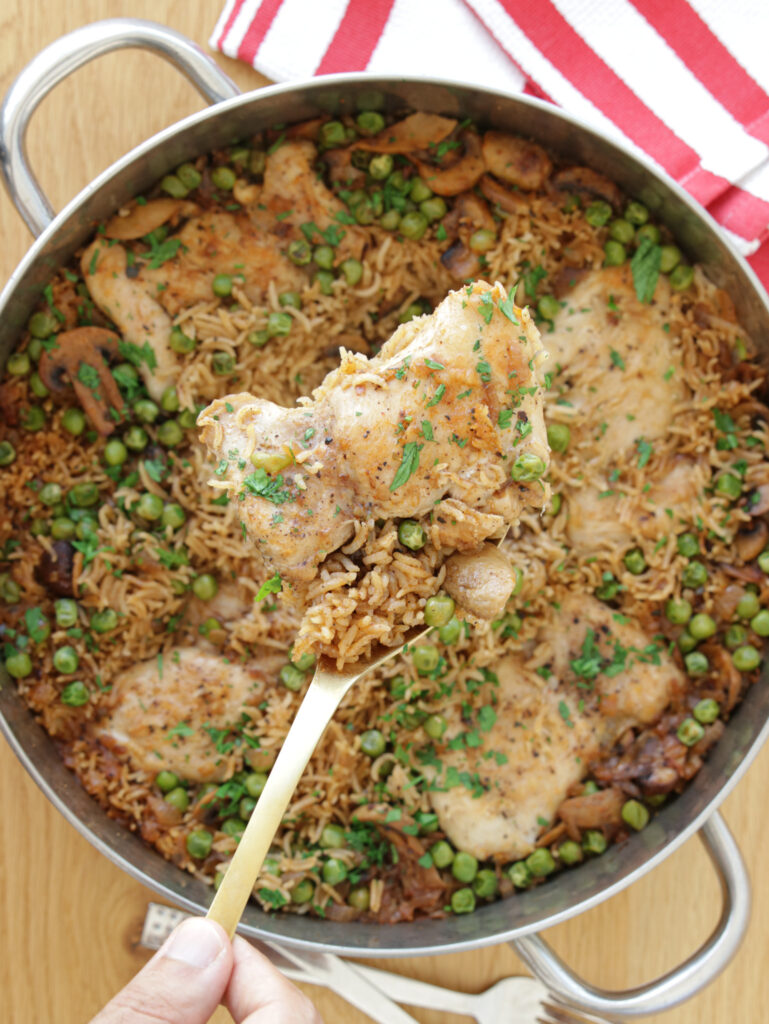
x: 232, y: 116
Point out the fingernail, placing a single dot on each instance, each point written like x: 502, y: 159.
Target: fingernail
x: 196, y: 942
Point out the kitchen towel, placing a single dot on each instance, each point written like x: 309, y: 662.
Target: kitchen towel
x: 685, y: 83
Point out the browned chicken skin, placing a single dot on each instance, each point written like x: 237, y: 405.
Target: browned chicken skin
x: 445, y: 410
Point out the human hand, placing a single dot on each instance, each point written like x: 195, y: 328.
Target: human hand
x: 195, y: 970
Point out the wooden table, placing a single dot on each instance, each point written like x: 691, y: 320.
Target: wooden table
x: 69, y: 920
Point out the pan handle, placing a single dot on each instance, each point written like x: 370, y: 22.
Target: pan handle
x: 683, y: 981
x: 60, y: 59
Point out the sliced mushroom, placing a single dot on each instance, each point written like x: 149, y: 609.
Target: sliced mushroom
x: 500, y: 196
x: 54, y: 570
x: 760, y: 506
x: 462, y: 175
x: 751, y: 543
x: 418, y: 131
x: 594, y: 810
x: 587, y: 184
x: 480, y: 582
x: 145, y: 218
x: 515, y: 160
x: 461, y: 261
x: 78, y: 354
x: 341, y: 169
x: 305, y: 129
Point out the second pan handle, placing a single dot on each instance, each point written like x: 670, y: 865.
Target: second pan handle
x: 53, y: 64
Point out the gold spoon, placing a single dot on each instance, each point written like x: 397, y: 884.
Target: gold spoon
x: 328, y: 687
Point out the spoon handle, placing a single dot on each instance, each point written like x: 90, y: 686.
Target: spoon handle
x: 321, y: 700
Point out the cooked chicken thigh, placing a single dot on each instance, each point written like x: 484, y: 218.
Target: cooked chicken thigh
x: 548, y: 729
x: 249, y: 245
x: 450, y: 408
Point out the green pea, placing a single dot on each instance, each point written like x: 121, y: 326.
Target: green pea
x: 199, y: 843
x: 39, y: 527
x: 292, y: 678
x: 706, y: 710
x: 763, y: 561
x: 411, y: 534
x: 223, y: 178
x: 414, y: 310
x: 359, y: 898
x: 696, y: 664
x: 104, y: 621
x: 485, y: 884
x: 670, y: 257
x: 187, y: 419
x: 694, y: 575
x: 686, y: 643
x: 746, y: 658
x: 271, y: 866
x: 702, y: 626
x: 541, y: 863
x: 748, y: 605
x: 222, y: 286
x: 352, y: 270
x: 169, y: 401
x: 681, y: 277
x: 86, y: 526
x: 84, y: 495
x: 174, y: 186
x: 372, y: 743
x: 464, y: 867
x: 427, y: 821
x: 380, y: 166
x: 189, y: 176
x: 240, y: 155
x: 279, y: 324
x: 635, y: 814
x: 50, y: 494
x: 621, y: 231
x: 325, y: 281
x: 678, y: 612
x: 136, y: 438
x: 41, y: 325
x: 729, y: 485
x: 482, y: 240
x: 166, y: 781
x: 170, y: 434
x: 246, y: 807
x: 323, y: 255
x: 527, y: 467
x: 37, y: 387
x: 35, y: 349
x: 636, y: 213
x: 65, y: 660
x: 333, y: 837
x: 570, y: 853
x: 299, y: 252
x: 173, y: 516
x: 438, y: 610
x: 10, y: 591
x: 234, y: 827
x: 635, y: 562
x: 205, y: 586
x: 370, y: 122
x: 365, y: 211
x: 255, y: 783
x: 413, y: 225
x: 18, y: 364
x: 451, y: 631
x: 548, y: 307
x: 303, y: 891
x: 419, y: 190
x: 760, y: 623
x: 32, y: 418
x: 398, y: 182
x: 256, y: 162
x: 258, y: 338
x: 75, y: 694
x: 590, y: 786
x: 178, y: 798
x: 115, y: 452
x: 650, y: 232
x: 433, y: 208
x: 598, y: 213
x: 594, y: 842
x: 690, y: 732
x: 7, y: 453
x: 180, y: 342
x: 441, y: 853
x: 558, y: 437
x: 615, y: 253
x: 18, y: 665
x: 426, y: 658
x: 398, y: 686
x: 688, y: 545
x: 222, y: 363
x: 734, y: 636
x: 435, y: 726
x: 73, y: 421
x: 519, y: 875
x: 150, y: 507
x: 290, y: 300
x: 332, y: 133
x: 65, y: 612
x: 334, y: 871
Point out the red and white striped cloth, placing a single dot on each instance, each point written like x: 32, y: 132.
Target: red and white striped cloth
x: 687, y: 83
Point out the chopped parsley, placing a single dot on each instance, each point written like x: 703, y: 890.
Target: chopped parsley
x: 409, y: 464
x: 261, y: 484
x: 273, y: 585
x: 645, y: 266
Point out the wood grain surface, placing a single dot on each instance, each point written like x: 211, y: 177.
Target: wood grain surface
x: 69, y: 919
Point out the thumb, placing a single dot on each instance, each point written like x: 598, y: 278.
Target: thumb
x: 182, y: 984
